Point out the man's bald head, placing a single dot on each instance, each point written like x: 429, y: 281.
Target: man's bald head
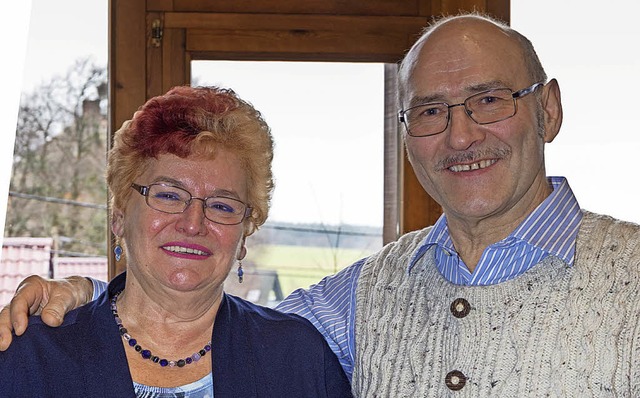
x: 472, y: 25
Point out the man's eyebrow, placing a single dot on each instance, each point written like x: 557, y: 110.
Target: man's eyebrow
x: 491, y: 85
x: 427, y: 99
x: 470, y: 90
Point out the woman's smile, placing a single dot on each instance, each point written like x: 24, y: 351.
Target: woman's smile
x: 186, y: 250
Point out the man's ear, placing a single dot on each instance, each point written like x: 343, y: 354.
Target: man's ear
x: 552, y: 110
x: 117, y: 222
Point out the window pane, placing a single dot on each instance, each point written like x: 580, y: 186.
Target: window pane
x: 327, y: 122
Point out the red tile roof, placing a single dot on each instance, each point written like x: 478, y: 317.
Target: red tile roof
x: 24, y: 256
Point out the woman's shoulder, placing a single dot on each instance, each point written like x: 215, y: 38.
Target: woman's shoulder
x: 44, y: 349
x: 40, y: 334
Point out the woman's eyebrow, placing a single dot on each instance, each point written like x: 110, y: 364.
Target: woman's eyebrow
x: 179, y: 184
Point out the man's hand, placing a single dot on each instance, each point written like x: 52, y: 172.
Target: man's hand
x: 49, y: 298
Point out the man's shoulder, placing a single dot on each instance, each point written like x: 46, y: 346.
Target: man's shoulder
x: 609, y: 239
x: 395, y: 257
x: 405, y: 245
x: 411, y: 239
x: 604, y: 222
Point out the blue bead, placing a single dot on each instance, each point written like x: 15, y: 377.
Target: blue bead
x: 133, y: 342
x: 164, y: 362
x: 118, y: 252
x: 146, y: 354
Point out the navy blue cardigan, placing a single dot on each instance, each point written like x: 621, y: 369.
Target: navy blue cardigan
x: 256, y: 352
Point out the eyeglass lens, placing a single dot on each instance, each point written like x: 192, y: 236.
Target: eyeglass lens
x: 170, y: 199
x: 484, y: 108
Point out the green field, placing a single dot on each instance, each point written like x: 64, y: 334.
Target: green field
x: 301, y: 266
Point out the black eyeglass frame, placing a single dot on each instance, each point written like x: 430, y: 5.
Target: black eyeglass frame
x: 144, y: 191
x: 514, y: 94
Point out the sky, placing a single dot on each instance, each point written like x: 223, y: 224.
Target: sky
x: 595, y: 58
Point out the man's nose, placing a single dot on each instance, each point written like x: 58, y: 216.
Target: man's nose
x: 463, y: 130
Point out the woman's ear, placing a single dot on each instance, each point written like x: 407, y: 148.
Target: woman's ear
x: 117, y: 222
x: 552, y: 108
x: 243, y: 250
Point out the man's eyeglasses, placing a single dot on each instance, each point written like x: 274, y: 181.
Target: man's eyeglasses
x: 173, y: 200
x: 487, y: 107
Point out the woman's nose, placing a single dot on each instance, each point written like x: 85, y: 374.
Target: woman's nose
x: 192, y: 220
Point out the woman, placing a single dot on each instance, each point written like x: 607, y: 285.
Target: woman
x: 190, y: 178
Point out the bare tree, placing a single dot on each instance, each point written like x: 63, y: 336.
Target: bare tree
x: 57, y: 185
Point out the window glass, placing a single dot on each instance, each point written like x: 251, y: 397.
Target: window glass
x: 327, y: 123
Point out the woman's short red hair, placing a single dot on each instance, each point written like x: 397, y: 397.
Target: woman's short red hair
x: 195, y: 121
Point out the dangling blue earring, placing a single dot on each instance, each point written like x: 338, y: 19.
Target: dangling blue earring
x: 240, y: 272
x: 118, y: 252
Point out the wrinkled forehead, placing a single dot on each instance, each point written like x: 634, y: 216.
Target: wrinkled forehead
x: 461, y: 55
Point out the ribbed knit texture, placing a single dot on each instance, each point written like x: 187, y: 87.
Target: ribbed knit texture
x: 555, y: 331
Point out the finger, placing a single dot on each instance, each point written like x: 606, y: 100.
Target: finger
x: 5, y: 329
x: 15, y: 316
x: 19, y: 312
x: 64, y: 296
x: 53, y: 312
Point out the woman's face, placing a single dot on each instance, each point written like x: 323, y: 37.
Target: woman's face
x: 185, y: 251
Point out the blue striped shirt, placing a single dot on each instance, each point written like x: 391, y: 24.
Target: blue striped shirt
x: 550, y: 229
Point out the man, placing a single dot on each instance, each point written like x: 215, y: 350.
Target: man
x: 514, y: 291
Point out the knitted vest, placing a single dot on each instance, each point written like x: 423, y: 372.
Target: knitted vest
x: 555, y: 331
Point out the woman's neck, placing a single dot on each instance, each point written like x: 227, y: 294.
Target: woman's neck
x: 178, y: 330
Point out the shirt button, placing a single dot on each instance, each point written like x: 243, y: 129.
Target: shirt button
x: 455, y: 380
x: 460, y: 308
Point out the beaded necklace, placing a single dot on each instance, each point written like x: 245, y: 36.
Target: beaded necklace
x: 146, y: 354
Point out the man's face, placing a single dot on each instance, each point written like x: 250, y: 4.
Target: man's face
x: 477, y: 172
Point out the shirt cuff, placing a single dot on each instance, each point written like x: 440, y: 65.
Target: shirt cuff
x: 98, y: 287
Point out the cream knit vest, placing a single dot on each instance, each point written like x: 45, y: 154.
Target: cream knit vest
x: 555, y: 331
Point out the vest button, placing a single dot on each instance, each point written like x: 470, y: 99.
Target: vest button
x: 460, y: 308
x: 455, y: 380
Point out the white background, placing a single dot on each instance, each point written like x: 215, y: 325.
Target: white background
x: 13, y: 34
x: 593, y: 49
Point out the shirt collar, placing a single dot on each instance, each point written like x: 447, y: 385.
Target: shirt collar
x: 552, y: 226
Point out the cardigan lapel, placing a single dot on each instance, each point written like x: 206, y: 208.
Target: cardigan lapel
x: 233, y: 363
x: 107, y: 375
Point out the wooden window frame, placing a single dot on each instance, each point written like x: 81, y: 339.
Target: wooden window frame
x: 152, y: 42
